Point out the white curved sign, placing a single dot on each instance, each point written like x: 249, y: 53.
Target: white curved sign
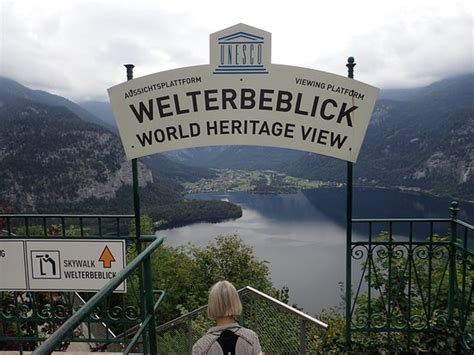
x: 243, y: 99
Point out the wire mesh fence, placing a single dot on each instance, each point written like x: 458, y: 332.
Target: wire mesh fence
x: 281, y: 329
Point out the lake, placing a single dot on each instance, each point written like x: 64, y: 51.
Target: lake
x: 302, y: 235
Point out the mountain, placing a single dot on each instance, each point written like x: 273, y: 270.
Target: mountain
x: 418, y: 138
x: 100, y: 113
x: 184, y: 158
x: 12, y: 89
x: 458, y: 89
x: 237, y: 157
x: 399, y: 94
x: 166, y: 165
x: 421, y: 139
x: 220, y: 157
x: 50, y: 157
x: 57, y: 157
x: 102, y: 110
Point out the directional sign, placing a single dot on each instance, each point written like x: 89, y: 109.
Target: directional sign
x: 12, y: 266
x: 107, y: 258
x: 60, y: 265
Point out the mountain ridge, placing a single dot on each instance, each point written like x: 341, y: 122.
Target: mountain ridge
x: 53, y: 160
x: 424, y: 143
x: 420, y: 139
x: 47, y: 153
x: 15, y: 89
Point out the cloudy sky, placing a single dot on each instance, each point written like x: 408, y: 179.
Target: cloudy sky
x: 76, y: 48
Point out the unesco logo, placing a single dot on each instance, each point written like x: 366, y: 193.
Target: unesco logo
x: 240, y: 49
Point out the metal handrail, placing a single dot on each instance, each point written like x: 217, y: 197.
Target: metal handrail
x: 144, y: 324
x: 407, y: 220
x: 143, y: 238
x: 59, y: 335
x: 134, y: 328
x: 421, y: 287
x: 400, y: 243
x: 12, y: 220
x: 285, y: 307
x: 137, y: 326
x: 464, y: 224
x: 29, y: 215
x: 83, y: 301
x: 178, y: 319
x: 245, y: 290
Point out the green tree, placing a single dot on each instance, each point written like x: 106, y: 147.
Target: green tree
x: 52, y: 230
x: 428, y: 272
x: 146, y: 226
x: 175, y: 272
x: 3, y: 221
x: 187, y: 273
x: 230, y: 259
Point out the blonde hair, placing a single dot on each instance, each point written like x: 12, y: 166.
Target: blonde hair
x: 224, y: 301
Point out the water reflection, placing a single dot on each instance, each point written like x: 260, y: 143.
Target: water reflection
x: 302, y: 235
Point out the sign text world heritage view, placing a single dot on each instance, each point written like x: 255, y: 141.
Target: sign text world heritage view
x: 241, y: 98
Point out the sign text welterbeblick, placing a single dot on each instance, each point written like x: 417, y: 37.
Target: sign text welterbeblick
x: 243, y: 99
x: 85, y: 265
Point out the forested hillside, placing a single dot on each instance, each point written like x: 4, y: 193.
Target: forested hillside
x: 423, y: 142
x: 418, y: 138
x: 50, y: 159
x: 57, y: 157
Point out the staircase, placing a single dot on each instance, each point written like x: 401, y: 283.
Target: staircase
x: 267, y: 316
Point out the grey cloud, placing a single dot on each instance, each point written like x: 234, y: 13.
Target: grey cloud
x: 79, y: 52
x: 401, y: 55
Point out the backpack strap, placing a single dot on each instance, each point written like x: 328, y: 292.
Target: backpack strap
x: 228, y: 342
x: 224, y: 337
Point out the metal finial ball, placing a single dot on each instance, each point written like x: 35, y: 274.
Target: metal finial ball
x: 129, y: 66
x: 454, y: 209
x: 350, y: 60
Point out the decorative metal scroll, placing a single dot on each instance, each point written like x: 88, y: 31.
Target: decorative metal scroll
x: 411, y: 285
x: 27, y: 318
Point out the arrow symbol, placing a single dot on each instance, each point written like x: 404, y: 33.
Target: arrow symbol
x: 107, y: 258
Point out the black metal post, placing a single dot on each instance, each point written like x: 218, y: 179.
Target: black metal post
x: 149, y: 299
x: 190, y: 335
x: 136, y: 207
x: 136, y: 195
x: 452, y: 261
x: 302, y: 336
x: 350, y: 66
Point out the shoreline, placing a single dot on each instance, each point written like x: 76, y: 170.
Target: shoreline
x: 416, y: 190
x: 274, y: 182
x: 406, y: 189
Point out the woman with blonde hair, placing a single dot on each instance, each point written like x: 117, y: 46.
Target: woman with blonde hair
x: 227, y: 337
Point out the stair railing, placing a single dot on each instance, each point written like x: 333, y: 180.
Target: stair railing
x: 68, y: 327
